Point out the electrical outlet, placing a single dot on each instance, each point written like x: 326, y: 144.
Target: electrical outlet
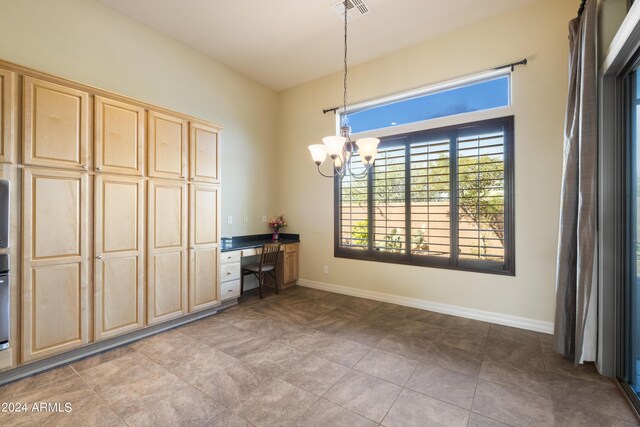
x: 245, y: 219
x: 229, y: 219
x: 264, y: 218
x: 326, y: 269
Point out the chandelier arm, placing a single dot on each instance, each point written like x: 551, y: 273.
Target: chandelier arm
x: 337, y: 173
x: 364, y: 173
x: 325, y: 175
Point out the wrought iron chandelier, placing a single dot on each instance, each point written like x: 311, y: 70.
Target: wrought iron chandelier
x: 340, y: 149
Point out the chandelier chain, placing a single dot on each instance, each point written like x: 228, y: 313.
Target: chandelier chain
x: 344, y: 104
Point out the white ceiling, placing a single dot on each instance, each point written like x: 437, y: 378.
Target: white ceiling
x: 282, y: 43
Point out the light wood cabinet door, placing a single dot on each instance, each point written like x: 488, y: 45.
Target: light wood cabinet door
x: 290, y: 264
x: 119, y: 137
x: 167, y: 146
x: 167, y: 249
x: 204, y: 255
x: 55, y: 125
x: 8, y: 116
x: 204, y: 143
x: 119, y: 263
x: 55, y: 309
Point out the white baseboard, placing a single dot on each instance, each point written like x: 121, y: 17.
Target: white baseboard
x: 470, y: 313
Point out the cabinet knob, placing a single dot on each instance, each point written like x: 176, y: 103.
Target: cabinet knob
x: 99, y: 257
x: 229, y: 273
x: 229, y: 291
x: 192, y: 247
x: 83, y: 167
x: 99, y: 168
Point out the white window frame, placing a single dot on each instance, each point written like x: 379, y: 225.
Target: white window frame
x: 452, y: 120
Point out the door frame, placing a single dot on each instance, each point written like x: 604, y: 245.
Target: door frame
x: 623, y: 55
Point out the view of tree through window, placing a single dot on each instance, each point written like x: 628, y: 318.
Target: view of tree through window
x: 417, y: 182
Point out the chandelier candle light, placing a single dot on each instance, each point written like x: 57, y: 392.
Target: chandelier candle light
x: 340, y: 148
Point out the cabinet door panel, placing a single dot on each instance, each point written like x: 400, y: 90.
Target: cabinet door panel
x: 167, y: 268
x: 55, y: 310
x: 121, y: 296
x: 168, y: 289
x: 56, y: 292
x: 204, y: 278
x: 204, y: 163
x: 120, y: 204
x: 56, y: 125
x: 169, y: 220
x: 8, y: 116
x: 119, y: 137
x: 119, y: 236
x: 290, y: 264
x: 204, y: 231
x: 167, y: 146
x: 204, y: 207
x: 57, y: 235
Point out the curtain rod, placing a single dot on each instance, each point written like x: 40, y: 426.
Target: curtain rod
x: 511, y: 65
x: 581, y: 8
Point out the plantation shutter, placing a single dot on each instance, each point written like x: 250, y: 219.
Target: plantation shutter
x: 441, y: 198
x: 430, y: 196
x: 389, y: 210
x: 353, y: 208
x: 480, y: 194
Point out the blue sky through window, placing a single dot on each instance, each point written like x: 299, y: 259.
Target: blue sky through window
x: 473, y: 97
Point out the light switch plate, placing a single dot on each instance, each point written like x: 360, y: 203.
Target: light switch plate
x: 245, y: 219
x: 264, y: 218
x: 229, y: 219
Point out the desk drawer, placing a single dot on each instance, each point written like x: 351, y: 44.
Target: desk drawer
x: 230, y: 289
x: 230, y: 272
x: 290, y: 247
x: 230, y: 257
x: 251, y: 252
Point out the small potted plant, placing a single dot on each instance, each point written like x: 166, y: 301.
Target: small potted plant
x: 276, y: 224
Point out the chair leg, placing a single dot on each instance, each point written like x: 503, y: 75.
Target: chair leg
x: 275, y: 281
x: 241, y: 281
x: 260, y: 280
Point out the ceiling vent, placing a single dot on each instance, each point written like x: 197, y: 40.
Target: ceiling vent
x: 355, y: 9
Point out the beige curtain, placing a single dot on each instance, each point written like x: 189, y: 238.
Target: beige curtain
x: 576, y: 267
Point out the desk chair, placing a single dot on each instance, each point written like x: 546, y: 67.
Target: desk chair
x: 268, y: 264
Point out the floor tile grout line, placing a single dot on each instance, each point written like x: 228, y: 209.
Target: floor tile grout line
x: 97, y: 394
x: 491, y: 418
x: 347, y: 409
x: 410, y: 376
x: 391, y: 406
x: 37, y: 387
x: 437, y: 398
x: 343, y: 407
x: 475, y: 390
x: 197, y: 388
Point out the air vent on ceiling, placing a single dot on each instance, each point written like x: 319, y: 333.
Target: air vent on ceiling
x: 355, y: 9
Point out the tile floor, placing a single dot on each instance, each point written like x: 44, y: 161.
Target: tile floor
x: 312, y: 358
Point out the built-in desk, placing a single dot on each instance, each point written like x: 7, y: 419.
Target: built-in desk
x: 240, y: 250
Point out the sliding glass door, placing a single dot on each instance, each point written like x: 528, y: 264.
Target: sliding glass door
x: 631, y: 293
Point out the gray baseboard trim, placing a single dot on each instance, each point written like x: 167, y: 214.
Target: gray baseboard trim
x: 26, y: 370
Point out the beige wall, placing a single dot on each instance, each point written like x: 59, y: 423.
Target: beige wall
x: 539, y: 33
x: 84, y: 41
x: 611, y: 13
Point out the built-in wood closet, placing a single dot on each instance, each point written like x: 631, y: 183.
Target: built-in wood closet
x: 118, y: 223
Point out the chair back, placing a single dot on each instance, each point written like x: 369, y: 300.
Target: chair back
x: 270, y: 253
